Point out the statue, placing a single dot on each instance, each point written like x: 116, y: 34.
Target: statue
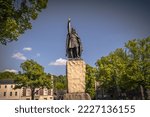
x: 73, y: 44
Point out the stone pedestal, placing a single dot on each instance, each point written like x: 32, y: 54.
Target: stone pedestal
x: 75, y: 72
x: 76, y: 76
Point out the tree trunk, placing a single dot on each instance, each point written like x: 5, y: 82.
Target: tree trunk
x: 142, y: 92
x: 32, y: 93
x: 145, y: 93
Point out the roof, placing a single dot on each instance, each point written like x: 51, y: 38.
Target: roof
x: 7, y: 81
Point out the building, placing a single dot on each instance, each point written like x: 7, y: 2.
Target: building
x: 7, y: 92
x: 40, y: 94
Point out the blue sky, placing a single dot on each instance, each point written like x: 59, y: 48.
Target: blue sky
x: 103, y: 26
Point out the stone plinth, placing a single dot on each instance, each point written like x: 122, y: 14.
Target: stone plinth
x: 76, y: 75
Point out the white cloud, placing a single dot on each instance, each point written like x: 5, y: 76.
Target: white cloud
x: 11, y: 70
x: 27, y: 49
x: 58, y: 62
x: 19, y: 56
x: 38, y: 54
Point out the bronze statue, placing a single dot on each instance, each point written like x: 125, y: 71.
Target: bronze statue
x: 73, y: 44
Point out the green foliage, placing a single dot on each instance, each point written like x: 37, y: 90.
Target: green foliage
x: 139, y: 63
x: 32, y: 69
x: 60, y: 82
x: 16, y: 16
x: 33, y: 76
x: 7, y: 75
x: 110, y: 71
x: 90, y: 80
x: 126, y: 70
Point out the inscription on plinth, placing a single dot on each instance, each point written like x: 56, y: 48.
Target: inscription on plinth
x: 76, y: 76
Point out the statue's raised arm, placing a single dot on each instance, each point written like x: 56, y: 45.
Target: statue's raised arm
x: 69, y: 25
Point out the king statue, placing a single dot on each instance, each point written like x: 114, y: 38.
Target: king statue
x: 73, y: 43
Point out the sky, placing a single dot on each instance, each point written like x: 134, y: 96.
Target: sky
x: 102, y: 25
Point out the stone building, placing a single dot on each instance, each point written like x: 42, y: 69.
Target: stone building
x: 7, y: 92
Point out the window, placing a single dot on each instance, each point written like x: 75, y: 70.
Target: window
x: 28, y: 92
x: 45, y: 92
x: 5, y: 86
x: 27, y: 98
x: 11, y: 86
x: 0, y: 86
x: 41, y: 91
x: 49, y: 92
x: 15, y: 93
x: 45, y: 98
x: 10, y: 93
x: 24, y: 92
x: 4, y: 93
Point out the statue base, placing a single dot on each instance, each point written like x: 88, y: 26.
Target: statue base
x: 76, y: 96
x: 75, y: 71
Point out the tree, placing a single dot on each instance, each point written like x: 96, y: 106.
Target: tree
x: 7, y: 75
x: 60, y: 86
x: 16, y: 16
x: 126, y: 71
x: 33, y: 76
x: 139, y: 64
x: 60, y: 82
x: 110, y: 71
x: 90, y: 80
